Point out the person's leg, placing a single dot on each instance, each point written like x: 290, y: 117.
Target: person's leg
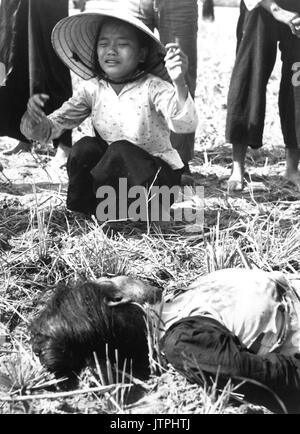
x: 84, y: 155
x: 236, y: 180
x: 208, y: 10
x: 256, y: 53
x: 123, y: 160
x: 289, y: 104
x: 292, y: 162
x: 198, y: 346
x: 179, y: 19
x: 47, y: 72
x: 126, y: 160
x: 50, y: 75
x: 14, y: 51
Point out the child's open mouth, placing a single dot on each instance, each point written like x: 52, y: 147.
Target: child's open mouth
x: 111, y: 62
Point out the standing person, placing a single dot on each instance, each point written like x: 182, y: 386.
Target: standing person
x: 132, y: 110
x: 208, y: 12
x: 174, y: 20
x: 179, y: 19
x: 261, y: 25
x: 31, y: 66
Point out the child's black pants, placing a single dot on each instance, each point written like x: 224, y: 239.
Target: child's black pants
x: 92, y: 164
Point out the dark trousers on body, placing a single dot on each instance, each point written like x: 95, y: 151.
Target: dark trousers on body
x: 198, y: 346
x: 258, y: 34
x: 92, y: 164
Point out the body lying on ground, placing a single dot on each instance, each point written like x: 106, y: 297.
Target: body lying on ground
x: 233, y: 324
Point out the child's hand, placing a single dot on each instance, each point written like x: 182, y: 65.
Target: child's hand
x: 35, y: 106
x: 176, y: 62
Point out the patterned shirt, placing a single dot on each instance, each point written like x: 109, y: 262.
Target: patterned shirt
x: 143, y: 113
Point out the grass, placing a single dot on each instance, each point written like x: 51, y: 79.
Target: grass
x: 41, y: 244
x: 77, y: 248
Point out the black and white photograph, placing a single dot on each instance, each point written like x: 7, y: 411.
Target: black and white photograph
x: 149, y: 209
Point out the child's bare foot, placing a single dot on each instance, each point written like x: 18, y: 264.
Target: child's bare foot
x: 294, y: 177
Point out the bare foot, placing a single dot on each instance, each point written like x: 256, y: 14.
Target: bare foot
x: 235, y: 183
x: 294, y: 177
x: 20, y: 147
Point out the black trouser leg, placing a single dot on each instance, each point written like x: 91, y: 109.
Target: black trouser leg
x: 84, y: 155
x: 125, y: 160
x: 257, y: 35
x: 289, y: 95
x: 137, y: 168
x: 199, y: 344
x: 180, y: 19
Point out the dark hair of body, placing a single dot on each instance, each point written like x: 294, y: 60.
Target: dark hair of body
x: 85, y: 318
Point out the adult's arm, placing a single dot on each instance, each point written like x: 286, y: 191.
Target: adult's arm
x: 280, y: 14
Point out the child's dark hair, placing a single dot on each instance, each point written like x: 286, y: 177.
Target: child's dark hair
x: 144, y: 41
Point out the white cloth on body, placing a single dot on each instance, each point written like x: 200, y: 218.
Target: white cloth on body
x: 261, y: 308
